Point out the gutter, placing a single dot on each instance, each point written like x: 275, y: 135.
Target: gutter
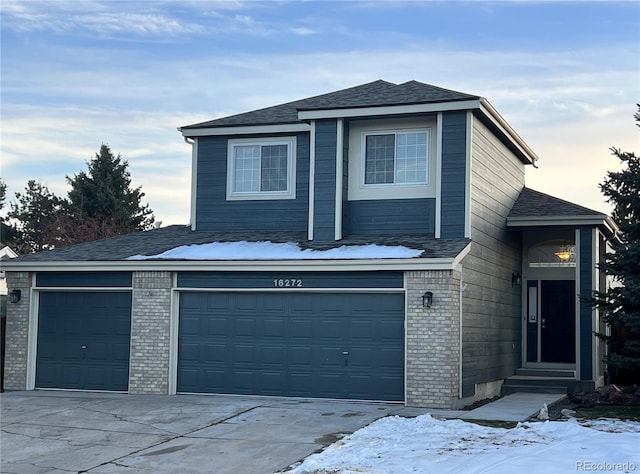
x: 501, y: 123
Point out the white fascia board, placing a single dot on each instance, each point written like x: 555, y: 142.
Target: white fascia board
x: 556, y: 221
x: 245, y: 265
x: 246, y: 130
x: 492, y: 114
x: 388, y: 110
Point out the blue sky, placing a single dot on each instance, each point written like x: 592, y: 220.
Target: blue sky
x: 75, y: 74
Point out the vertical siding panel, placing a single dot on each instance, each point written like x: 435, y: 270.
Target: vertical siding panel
x: 325, y: 180
x: 492, y: 307
x: 453, y: 174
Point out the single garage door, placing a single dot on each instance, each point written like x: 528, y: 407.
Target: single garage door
x: 347, y: 345
x: 83, y: 340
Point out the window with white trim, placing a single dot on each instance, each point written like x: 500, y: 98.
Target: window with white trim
x: 396, y: 157
x: 261, y: 168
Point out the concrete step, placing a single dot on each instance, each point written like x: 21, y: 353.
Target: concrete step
x: 546, y: 372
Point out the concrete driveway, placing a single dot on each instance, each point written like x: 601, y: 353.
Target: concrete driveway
x: 55, y: 432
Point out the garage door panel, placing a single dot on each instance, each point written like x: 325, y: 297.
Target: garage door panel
x: 83, y: 340
x: 292, y: 344
x: 329, y: 329
x: 245, y: 327
x: 215, y: 353
x: 217, y: 326
x: 301, y: 328
x: 273, y: 355
x: 300, y: 356
x: 274, y: 328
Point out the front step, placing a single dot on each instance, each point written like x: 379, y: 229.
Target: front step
x: 546, y: 372
x: 540, y: 381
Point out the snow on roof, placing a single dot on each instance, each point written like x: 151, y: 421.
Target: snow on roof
x: 278, y: 251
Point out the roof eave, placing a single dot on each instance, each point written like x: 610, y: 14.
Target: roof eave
x: 602, y: 220
x: 294, y: 127
x: 525, y: 152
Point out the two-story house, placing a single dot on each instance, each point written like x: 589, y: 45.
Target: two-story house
x: 375, y: 243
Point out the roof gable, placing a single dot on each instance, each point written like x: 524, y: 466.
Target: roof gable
x: 532, y: 203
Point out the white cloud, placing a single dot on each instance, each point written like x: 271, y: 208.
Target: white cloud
x: 570, y: 106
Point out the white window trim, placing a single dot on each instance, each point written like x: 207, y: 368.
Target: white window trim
x: 290, y: 193
x: 395, y: 132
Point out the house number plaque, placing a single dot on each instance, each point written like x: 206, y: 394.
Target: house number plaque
x: 287, y: 283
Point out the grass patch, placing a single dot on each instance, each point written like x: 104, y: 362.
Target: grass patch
x: 621, y: 412
x: 493, y: 423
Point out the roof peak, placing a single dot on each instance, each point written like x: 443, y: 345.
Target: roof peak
x: 376, y: 93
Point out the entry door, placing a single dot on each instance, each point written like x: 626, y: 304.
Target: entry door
x: 557, y: 321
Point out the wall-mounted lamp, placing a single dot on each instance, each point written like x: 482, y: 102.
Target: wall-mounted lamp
x: 427, y: 299
x: 516, y: 279
x: 14, y: 296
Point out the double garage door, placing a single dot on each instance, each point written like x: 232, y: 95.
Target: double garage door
x: 347, y: 345
x: 332, y: 345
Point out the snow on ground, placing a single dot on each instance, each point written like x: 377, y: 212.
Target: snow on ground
x: 429, y: 445
x: 278, y: 251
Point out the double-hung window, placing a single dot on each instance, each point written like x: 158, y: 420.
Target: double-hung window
x: 396, y: 157
x: 261, y: 169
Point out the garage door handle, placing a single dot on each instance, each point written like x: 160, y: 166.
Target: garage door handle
x: 345, y: 353
x: 83, y: 347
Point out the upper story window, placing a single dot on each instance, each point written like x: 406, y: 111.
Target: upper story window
x: 396, y: 157
x: 261, y: 169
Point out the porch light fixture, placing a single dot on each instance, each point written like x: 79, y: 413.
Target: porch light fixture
x: 565, y: 253
x: 14, y: 296
x: 427, y: 299
x: 516, y: 279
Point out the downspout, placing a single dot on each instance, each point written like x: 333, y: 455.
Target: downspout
x: 194, y: 170
x: 463, y: 286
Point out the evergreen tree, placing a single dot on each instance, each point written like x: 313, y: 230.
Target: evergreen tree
x: 103, y: 194
x: 8, y: 232
x: 621, y: 303
x: 36, y: 210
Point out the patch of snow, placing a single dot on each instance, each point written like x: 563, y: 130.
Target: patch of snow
x: 267, y: 250
x: 426, y: 444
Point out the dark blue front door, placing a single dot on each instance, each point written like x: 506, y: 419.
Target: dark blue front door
x: 558, y: 323
x: 83, y: 340
x: 348, y: 345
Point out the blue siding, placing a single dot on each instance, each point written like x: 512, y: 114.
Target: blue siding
x: 307, y: 280
x: 454, y: 135
x: 345, y: 178
x: 214, y: 212
x: 585, y: 291
x: 391, y: 216
x: 84, y: 279
x: 325, y: 180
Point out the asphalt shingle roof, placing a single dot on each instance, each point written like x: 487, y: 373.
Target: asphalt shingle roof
x: 377, y: 93
x: 532, y: 203
x: 156, y: 241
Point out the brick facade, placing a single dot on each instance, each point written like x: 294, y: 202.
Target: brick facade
x: 433, y: 339
x: 17, y: 333
x: 433, y: 336
x: 150, y: 332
